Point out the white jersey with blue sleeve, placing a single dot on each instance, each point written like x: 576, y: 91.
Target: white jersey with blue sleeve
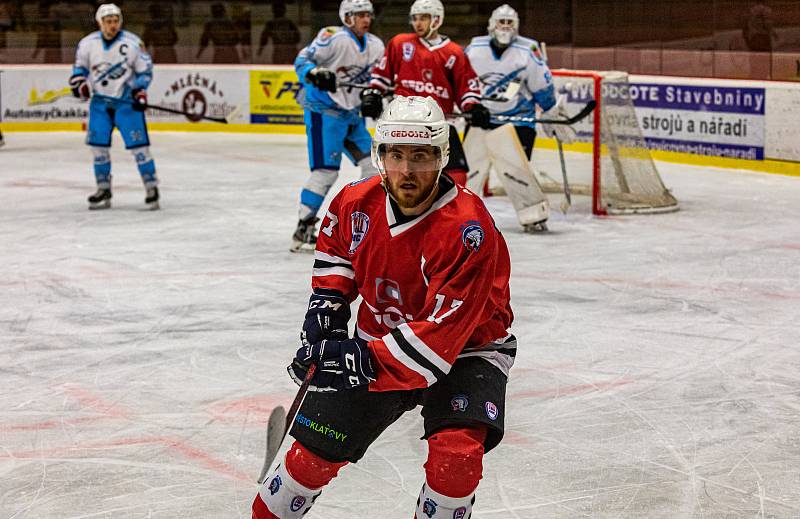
x: 113, y: 68
x: 520, y: 63
x: 339, y: 50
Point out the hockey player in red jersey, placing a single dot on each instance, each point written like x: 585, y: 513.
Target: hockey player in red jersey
x: 428, y: 64
x: 432, y: 329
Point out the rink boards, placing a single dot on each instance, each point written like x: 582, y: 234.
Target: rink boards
x: 715, y: 122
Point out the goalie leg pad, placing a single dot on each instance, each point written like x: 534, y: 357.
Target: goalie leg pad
x: 515, y: 173
x: 102, y: 166
x: 478, y: 158
x: 314, y: 190
x: 289, y: 492
x: 455, y: 461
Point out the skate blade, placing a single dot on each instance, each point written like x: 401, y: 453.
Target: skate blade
x: 535, y: 228
x: 302, y: 247
x: 153, y: 206
x: 100, y: 206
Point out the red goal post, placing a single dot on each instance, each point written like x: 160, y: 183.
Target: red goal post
x: 624, y: 178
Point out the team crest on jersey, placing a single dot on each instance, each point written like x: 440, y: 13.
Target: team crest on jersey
x: 460, y: 512
x: 297, y: 503
x: 427, y: 74
x: 359, y: 222
x: 459, y: 403
x: 408, y: 51
x: 275, y: 485
x: 492, y: 411
x: 429, y: 507
x: 472, y: 235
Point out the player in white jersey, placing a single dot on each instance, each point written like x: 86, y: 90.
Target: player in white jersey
x: 332, y: 111
x: 507, y: 63
x: 113, y: 68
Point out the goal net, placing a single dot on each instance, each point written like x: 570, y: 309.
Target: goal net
x: 611, y: 161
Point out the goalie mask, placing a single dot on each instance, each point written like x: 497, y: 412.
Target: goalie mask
x: 504, y: 25
x: 432, y: 7
x: 108, y: 10
x: 351, y: 7
x: 416, y: 121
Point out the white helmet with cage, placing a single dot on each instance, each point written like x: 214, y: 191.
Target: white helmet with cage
x: 431, y: 7
x: 108, y: 10
x: 351, y: 7
x: 504, y: 24
x: 412, y: 120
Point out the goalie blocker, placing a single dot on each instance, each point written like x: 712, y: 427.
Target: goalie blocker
x: 502, y: 149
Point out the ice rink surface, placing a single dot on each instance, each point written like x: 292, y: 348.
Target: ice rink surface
x: 658, y: 373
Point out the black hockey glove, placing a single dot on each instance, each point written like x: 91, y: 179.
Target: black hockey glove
x: 340, y: 365
x: 327, y: 317
x: 480, y: 116
x: 371, y: 103
x: 139, y: 99
x: 322, y: 78
x: 79, y: 86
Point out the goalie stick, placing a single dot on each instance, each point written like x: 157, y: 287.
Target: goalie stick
x: 585, y: 111
x: 280, y: 422
x: 510, y: 92
x: 567, y: 196
x: 224, y: 120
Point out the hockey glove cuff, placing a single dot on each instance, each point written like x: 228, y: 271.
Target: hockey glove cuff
x: 79, y: 86
x: 327, y: 317
x: 322, y: 78
x: 139, y: 99
x: 340, y: 365
x: 480, y: 116
x: 371, y: 103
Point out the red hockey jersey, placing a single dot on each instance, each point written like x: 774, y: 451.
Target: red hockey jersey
x: 433, y: 287
x: 415, y: 67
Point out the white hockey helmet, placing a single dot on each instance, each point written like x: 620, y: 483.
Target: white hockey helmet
x: 351, y: 7
x: 108, y: 10
x: 431, y: 7
x: 505, y: 32
x: 412, y: 120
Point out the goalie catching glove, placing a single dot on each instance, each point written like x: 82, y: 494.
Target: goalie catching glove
x: 322, y: 78
x: 340, y: 365
x: 563, y: 132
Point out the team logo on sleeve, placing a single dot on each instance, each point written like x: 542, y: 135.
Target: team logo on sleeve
x: 408, y: 51
x: 460, y: 512
x: 472, y: 235
x: 359, y: 222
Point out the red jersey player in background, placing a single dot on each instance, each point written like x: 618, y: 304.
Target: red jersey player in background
x: 432, y: 329
x: 425, y: 63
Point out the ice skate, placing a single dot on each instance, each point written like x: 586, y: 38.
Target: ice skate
x: 151, y: 200
x: 535, y: 228
x: 304, y: 238
x: 101, y: 199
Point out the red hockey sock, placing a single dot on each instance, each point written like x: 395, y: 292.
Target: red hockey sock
x: 455, y: 460
x: 459, y: 176
x: 308, y: 469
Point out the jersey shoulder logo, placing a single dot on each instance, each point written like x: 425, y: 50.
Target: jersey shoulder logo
x: 472, y: 235
x: 408, y: 51
x: 359, y: 222
x: 327, y: 32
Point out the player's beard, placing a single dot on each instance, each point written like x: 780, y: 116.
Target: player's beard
x: 413, y: 191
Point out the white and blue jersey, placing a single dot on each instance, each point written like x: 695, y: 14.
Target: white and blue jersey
x: 113, y: 68
x: 350, y: 58
x: 520, y: 63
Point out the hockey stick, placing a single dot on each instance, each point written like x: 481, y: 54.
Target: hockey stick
x: 585, y: 111
x: 275, y: 423
x: 567, y: 196
x: 224, y: 120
